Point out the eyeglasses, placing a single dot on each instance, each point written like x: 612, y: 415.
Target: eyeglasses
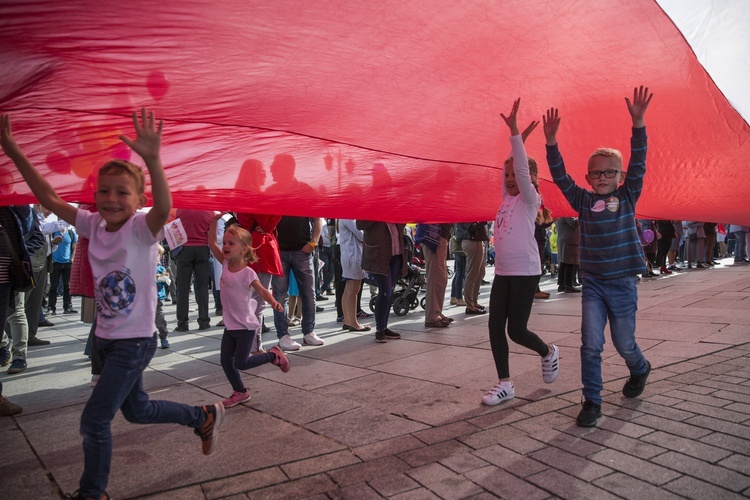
x: 609, y: 174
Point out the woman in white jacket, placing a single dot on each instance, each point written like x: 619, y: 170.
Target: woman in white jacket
x: 350, y: 239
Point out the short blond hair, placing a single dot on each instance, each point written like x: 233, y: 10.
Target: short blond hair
x: 117, y: 167
x: 607, y: 153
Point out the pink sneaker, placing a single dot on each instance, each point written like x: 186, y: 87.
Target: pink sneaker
x: 281, y: 360
x: 236, y: 398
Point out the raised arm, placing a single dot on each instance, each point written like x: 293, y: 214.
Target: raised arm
x: 41, y: 188
x: 212, y: 243
x: 551, y: 123
x: 148, y: 146
x: 637, y: 108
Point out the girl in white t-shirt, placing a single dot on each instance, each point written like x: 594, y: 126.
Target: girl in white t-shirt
x: 517, y: 267
x: 238, y: 280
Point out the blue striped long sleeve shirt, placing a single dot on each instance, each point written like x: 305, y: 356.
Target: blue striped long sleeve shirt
x: 609, y: 246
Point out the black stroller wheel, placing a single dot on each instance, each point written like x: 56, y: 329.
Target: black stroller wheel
x: 400, y: 306
x: 423, y: 303
x: 372, y: 302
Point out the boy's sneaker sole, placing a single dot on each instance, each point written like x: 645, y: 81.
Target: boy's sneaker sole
x: 635, y: 384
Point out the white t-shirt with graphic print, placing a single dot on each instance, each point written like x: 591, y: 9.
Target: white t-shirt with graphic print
x: 123, y: 264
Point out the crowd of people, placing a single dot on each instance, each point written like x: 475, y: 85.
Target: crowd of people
x: 117, y: 257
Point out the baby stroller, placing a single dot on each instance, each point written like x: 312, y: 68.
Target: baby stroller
x: 406, y: 294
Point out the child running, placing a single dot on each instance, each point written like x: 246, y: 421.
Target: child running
x: 611, y: 254
x: 123, y: 256
x: 517, y: 268
x: 238, y: 280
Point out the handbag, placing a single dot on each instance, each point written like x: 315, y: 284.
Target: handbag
x: 21, y: 275
x: 455, y: 246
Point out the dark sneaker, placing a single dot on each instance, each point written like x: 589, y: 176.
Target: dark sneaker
x: 5, y: 356
x: 46, y: 322
x: 7, y: 408
x: 36, y: 341
x: 164, y: 344
x: 635, y: 384
x: 70, y: 310
x: 17, y: 366
x: 589, y: 414
x: 391, y: 335
x: 209, y: 431
x: 380, y: 337
x: 364, y: 315
x: 181, y: 328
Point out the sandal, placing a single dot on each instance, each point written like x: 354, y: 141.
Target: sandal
x: 436, y: 324
x: 365, y: 328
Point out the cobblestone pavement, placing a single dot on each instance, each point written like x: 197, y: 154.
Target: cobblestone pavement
x: 357, y: 419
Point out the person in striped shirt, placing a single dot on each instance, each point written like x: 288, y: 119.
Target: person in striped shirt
x: 610, y: 253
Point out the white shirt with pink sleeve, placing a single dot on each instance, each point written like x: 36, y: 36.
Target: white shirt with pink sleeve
x: 122, y: 263
x: 516, y: 250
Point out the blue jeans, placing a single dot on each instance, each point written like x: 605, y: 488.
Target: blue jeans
x: 385, y: 292
x: 616, y: 300
x: 120, y: 387
x: 459, y: 273
x: 739, y: 246
x: 301, y: 264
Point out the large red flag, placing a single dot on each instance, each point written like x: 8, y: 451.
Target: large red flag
x: 383, y: 110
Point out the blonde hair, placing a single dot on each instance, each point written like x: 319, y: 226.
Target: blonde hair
x: 245, y: 238
x: 607, y: 153
x: 118, y: 167
x: 160, y: 249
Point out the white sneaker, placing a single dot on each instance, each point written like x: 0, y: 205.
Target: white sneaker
x: 287, y: 344
x: 501, y: 392
x: 551, y: 365
x: 312, y: 339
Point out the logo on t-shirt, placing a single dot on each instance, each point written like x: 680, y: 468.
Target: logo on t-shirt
x: 116, y: 293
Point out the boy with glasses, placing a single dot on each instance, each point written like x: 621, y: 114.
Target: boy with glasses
x: 610, y: 253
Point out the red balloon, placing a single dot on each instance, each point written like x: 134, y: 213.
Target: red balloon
x: 58, y: 162
x: 157, y: 85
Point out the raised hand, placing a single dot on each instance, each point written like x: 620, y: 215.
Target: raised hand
x: 551, y: 123
x: 6, y: 135
x: 148, y: 136
x: 637, y: 108
x: 511, y: 119
x: 528, y: 130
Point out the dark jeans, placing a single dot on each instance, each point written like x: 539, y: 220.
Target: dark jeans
x: 326, y: 255
x: 120, y: 387
x: 193, y: 260
x: 510, y: 302
x: 386, y: 283
x: 59, y: 272
x: 459, y: 273
x: 235, y: 356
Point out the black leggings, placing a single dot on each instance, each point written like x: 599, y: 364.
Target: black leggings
x: 662, y: 249
x: 510, y: 301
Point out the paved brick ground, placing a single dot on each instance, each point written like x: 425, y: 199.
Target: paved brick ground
x: 356, y: 419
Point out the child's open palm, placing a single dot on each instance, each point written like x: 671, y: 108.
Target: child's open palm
x: 6, y: 135
x: 512, y: 119
x: 148, y: 135
x: 641, y: 100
